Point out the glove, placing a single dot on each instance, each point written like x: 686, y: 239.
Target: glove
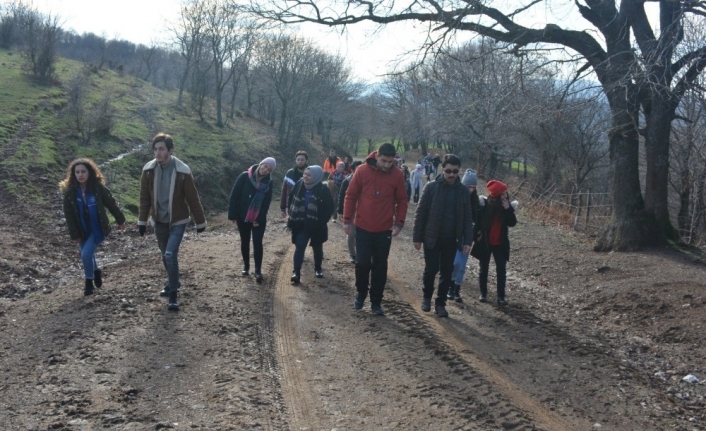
x: 142, y: 229
x: 201, y: 229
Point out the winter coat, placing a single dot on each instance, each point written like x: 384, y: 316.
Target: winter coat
x: 104, y: 199
x: 342, y: 193
x: 481, y: 249
x: 430, y: 214
x: 183, y: 197
x: 318, y: 229
x: 330, y: 166
x: 240, y: 196
x: 377, y: 200
x: 290, y: 179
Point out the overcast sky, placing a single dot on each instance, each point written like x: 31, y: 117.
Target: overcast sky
x: 369, y: 54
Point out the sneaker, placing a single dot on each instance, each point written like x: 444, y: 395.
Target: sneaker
x: 319, y: 273
x: 295, y: 277
x: 426, y: 304
x: 440, y: 311
x: 450, y: 296
x: 258, y: 277
x: 483, y: 298
x: 353, y: 260
x: 502, y: 302
x: 358, y: 303
x: 245, y: 272
x: 165, y: 292
x: 377, y: 309
x: 98, y: 278
x: 459, y: 299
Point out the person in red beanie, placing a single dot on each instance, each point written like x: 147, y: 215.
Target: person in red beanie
x: 495, y: 216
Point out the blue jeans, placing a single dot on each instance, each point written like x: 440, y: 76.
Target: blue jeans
x: 169, y: 240
x: 300, y: 242
x: 88, y: 257
x: 373, y: 249
x: 460, y: 267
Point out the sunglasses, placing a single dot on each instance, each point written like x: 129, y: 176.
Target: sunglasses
x: 451, y: 171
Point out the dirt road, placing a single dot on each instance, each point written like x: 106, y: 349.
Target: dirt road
x: 589, y: 341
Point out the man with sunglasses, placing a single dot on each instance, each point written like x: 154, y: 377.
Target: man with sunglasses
x: 443, y: 223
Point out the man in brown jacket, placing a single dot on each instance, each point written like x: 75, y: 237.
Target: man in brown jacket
x: 168, y: 194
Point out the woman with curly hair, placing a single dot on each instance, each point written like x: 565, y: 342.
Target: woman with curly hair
x: 85, y: 200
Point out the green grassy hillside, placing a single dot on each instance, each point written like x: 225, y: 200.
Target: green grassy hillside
x: 37, y: 141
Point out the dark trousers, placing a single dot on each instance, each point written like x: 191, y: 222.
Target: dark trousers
x: 500, y: 268
x: 246, y: 231
x: 439, y: 259
x: 300, y: 242
x: 371, y: 268
x: 416, y: 194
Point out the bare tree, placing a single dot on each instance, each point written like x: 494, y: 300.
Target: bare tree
x: 651, y: 83
x: 187, y: 36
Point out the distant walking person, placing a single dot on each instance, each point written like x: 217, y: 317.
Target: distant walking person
x: 495, y: 216
x: 310, y: 209
x: 376, y: 203
x: 330, y: 164
x: 85, y: 200
x: 470, y: 181
x: 248, y: 206
x: 436, y: 161
x: 443, y: 223
x: 168, y: 193
x: 416, y: 181
x: 290, y: 179
x: 334, y: 183
x: 341, y: 199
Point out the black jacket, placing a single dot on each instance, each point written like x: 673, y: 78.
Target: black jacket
x: 324, y: 205
x: 481, y: 249
x: 430, y: 214
x: 240, y: 197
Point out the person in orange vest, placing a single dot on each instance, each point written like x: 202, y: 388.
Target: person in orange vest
x: 330, y: 163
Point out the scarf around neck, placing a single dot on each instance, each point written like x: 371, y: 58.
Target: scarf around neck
x: 261, y: 188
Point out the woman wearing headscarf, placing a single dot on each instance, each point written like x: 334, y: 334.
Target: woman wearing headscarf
x: 470, y: 181
x: 85, y: 202
x: 248, y: 205
x: 310, y: 208
x: 496, y: 214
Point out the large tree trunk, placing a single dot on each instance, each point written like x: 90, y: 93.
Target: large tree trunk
x: 659, y: 126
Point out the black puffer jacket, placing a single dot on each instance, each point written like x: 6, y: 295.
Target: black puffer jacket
x: 481, y: 249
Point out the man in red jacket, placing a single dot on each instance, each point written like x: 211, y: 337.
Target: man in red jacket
x: 376, y: 203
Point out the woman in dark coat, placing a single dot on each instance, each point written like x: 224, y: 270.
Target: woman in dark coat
x: 495, y: 216
x: 310, y: 208
x: 248, y: 206
x: 85, y: 202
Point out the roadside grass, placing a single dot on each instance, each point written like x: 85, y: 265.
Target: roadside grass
x: 37, y: 141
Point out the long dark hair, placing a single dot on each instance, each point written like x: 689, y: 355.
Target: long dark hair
x: 95, y: 176
x: 494, y: 209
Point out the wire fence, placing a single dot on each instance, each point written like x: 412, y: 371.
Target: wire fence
x: 584, y: 211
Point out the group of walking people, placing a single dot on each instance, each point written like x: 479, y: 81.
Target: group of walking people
x: 369, y: 197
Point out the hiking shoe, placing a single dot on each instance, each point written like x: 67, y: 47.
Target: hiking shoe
x: 459, y: 299
x: 319, y: 273
x: 258, y: 277
x: 245, y: 272
x: 483, y: 298
x: 88, y: 290
x: 440, y: 310
x: 502, y: 302
x: 451, y: 296
x: 377, y: 309
x: 173, y: 302
x: 426, y: 304
x: 358, y: 303
x: 295, y: 277
x: 98, y: 278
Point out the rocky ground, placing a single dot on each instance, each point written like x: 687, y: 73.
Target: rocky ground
x: 589, y: 340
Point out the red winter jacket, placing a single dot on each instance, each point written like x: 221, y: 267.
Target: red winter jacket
x: 377, y: 200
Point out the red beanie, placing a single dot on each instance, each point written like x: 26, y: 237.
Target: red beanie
x: 496, y: 188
